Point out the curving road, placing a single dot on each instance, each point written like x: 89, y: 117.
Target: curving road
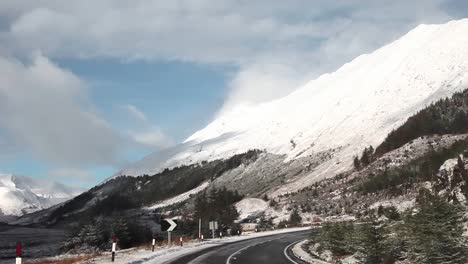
x: 273, y: 249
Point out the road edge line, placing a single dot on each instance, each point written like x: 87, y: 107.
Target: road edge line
x: 285, y: 251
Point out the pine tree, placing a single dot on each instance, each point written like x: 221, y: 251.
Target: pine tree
x: 435, y: 231
x: 357, y: 163
x: 372, y: 247
x: 121, y: 230
x: 295, y: 218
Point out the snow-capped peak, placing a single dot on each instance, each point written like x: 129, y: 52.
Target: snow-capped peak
x: 356, y: 106
x: 20, y: 194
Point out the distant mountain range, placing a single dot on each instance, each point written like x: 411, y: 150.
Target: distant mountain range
x: 21, y: 195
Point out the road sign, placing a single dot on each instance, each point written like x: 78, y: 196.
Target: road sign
x: 168, y: 225
x: 213, y: 225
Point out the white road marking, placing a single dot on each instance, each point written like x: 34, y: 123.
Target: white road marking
x: 228, y: 261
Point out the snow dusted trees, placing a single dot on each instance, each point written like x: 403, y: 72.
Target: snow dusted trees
x: 435, y: 231
x: 446, y: 116
x: 217, y: 205
x: 367, y: 158
x: 97, y: 234
x: 430, y: 233
x: 295, y: 218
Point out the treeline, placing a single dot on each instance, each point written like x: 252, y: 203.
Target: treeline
x: 430, y: 233
x: 446, y: 116
x: 127, y: 192
x: 217, y: 205
x: 367, y: 157
x: 97, y: 235
x: 425, y: 168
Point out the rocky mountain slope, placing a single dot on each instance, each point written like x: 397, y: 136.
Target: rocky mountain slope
x: 20, y: 195
x: 337, y: 114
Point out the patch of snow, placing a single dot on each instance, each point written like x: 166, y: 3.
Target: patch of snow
x: 250, y: 206
x: 400, y: 203
x: 179, y: 198
x: 300, y: 253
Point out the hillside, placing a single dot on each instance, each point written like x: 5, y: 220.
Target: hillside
x: 337, y: 114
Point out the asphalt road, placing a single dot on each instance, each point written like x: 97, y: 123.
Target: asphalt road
x: 271, y: 249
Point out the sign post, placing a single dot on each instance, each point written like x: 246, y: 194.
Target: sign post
x: 168, y: 225
x: 169, y: 242
x: 18, y: 253
x: 199, y: 228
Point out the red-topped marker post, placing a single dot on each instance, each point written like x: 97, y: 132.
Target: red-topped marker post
x: 18, y: 253
x: 114, y: 243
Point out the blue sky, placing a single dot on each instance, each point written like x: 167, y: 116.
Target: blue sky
x: 89, y: 86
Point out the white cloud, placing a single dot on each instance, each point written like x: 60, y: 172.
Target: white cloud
x: 68, y: 173
x: 301, y: 37
x: 153, y: 138
x: 137, y: 113
x: 277, y: 45
x: 44, y: 112
x: 144, y: 133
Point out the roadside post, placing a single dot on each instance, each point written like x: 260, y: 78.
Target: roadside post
x: 153, y: 242
x: 181, y: 241
x: 114, y: 244
x: 168, y: 225
x: 199, y: 228
x: 18, y: 253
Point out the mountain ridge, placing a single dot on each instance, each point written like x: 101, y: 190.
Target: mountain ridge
x: 328, y: 113
x: 21, y: 195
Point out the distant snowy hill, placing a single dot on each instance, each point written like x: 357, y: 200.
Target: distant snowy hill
x: 20, y: 195
x: 337, y: 114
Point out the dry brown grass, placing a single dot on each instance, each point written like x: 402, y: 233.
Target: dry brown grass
x: 64, y: 260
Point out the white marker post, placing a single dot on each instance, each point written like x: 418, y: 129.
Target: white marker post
x: 169, y: 238
x: 154, y: 242
x: 18, y: 253
x: 181, y: 242
x: 199, y: 228
x: 114, y: 243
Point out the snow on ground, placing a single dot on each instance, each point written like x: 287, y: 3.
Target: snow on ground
x: 299, y: 252
x: 250, y: 206
x: 165, y: 254
x: 400, y: 203
x: 179, y: 198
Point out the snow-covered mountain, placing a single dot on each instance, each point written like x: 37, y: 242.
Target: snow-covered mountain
x: 338, y: 113
x: 20, y: 194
